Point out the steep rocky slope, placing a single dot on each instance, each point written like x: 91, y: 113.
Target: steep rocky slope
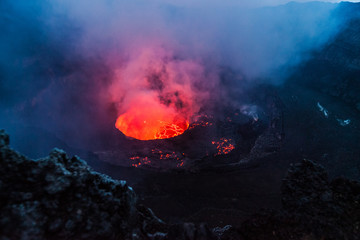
x: 335, y: 69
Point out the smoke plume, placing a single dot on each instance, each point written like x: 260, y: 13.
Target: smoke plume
x: 71, y: 68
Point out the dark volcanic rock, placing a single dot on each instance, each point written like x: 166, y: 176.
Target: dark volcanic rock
x: 58, y: 197
x: 313, y: 208
x: 335, y: 69
x: 190, y: 231
x: 327, y: 209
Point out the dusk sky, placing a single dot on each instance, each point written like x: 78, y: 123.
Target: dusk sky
x: 254, y: 3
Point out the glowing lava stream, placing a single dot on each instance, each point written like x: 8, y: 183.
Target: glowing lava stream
x: 151, y: 121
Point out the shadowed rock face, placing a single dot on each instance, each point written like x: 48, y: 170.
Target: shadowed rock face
x: 313, y: 208
x: 58, y: 197
x: 326, y: 209
x: 335, y: 68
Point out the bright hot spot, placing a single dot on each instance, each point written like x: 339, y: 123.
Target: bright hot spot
x: 148, y: 121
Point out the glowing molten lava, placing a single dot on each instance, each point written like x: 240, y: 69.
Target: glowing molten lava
x: 224, y: 146
x: 147, y: 121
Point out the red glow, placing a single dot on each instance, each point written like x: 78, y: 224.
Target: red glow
x: 147, y: 120
x: 138, y: 161
x: 153, y: 92
x: 224, y: 146
x: 156, y: 154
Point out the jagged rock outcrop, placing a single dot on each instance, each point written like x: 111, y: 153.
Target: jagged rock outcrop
x: 58, y: 197
x: 313, y: 208
x: 325, y: 209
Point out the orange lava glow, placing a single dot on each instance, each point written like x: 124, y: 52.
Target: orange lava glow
x: 224, y: 146
x: 145, y: 121
x: 156, y: 154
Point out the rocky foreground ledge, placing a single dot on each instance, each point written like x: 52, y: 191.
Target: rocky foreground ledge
x: 58, y: 197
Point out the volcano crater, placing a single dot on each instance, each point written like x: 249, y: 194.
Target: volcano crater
x: 240, y: 138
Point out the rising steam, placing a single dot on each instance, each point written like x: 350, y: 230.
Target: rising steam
x: 74, y: 67
x: 155, y: 95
